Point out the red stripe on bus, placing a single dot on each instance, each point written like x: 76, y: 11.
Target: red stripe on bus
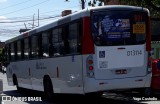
x: 87, y: 40
x: 148, y: 40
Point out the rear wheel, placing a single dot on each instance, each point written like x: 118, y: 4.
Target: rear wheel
x: 15, y: 82
x: 48, y: 88
x: 146, y: 91
x: 94, y: 94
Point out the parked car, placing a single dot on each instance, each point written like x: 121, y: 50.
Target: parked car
x: 155, y: 83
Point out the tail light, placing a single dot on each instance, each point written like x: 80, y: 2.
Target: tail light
x: 90, y: 67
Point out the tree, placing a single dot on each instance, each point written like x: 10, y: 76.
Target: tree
x: 152, y: 5
x: 94, y: 2
x: 2, y: 56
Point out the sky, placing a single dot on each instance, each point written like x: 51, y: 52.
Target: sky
x: 19, y: 14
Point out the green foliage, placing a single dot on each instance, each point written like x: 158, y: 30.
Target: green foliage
x: 2, y: 56
x: 94, y: 3
x: 152, y: 5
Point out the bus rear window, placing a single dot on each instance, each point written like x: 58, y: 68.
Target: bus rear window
x: 119, y: 27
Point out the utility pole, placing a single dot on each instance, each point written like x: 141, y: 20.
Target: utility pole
x: 82, y: 2
x: 33, y: 21
x: 38, y: 17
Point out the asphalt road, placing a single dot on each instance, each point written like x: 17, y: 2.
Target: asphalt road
x: 107, y: 98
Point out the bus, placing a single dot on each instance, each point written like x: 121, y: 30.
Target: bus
x: 87, y: 52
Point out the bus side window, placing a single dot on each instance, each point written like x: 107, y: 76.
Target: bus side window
x: 45, y: 43
x: 7, y: 52
x: 50, y: 44
x: 58, y: 44
x: 15, y: 51
x: 65, y: 31
x: 74, y: 38
x: 39, y: 46
x: 34, y: 46
x: 22, y: 49
x: 26, y: 48
x: 19, y: 50
x: 12, y: 52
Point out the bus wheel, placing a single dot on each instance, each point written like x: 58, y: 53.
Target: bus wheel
x: 94, y: 94
x: 48, y: 88
x: 15, y: 82
x: 148, y: 92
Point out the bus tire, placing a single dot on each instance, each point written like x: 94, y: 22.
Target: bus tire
x: 94, y: 94
x: 148, y: 92
x: 48, y: 88
x: 15, y: 82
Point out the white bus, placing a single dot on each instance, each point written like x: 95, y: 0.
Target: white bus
x: 90, y: 51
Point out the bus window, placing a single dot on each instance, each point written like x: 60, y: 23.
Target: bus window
x: 26, y: 48
x: 34, y: 46
x: 58, y: 44
x: 73, y: 38
x: 12, y: 52
x: 45, y: 42
x: 19, y: 50
x: 119, y: 28
x: 22, y: 49
x: 15, y: 51
x: 39, y: 46
x: 7, y: 49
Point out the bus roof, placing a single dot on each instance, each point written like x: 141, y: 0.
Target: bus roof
x: 73, y: 16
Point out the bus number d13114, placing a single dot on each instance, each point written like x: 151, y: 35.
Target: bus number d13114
x: 134, y: 53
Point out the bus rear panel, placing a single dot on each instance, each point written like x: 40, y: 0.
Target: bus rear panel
x: 121, y: 59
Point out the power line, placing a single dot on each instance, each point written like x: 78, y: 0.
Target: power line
x: 30, y: 16
x: 30, y: 20
x: 15, y: 4
x: 26, y: 7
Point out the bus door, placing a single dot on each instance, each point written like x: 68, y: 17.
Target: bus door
x: 120, y: 43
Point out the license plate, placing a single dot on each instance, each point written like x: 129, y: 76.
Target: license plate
x: 123, y: 71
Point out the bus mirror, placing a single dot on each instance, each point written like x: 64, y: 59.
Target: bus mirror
x: 158, y: 64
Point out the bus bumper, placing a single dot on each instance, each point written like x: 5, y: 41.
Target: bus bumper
x: 93, y: 85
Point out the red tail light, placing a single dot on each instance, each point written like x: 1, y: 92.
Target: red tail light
x: 90, y: 66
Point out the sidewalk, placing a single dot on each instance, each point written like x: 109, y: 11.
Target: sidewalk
x: 5, y: 85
